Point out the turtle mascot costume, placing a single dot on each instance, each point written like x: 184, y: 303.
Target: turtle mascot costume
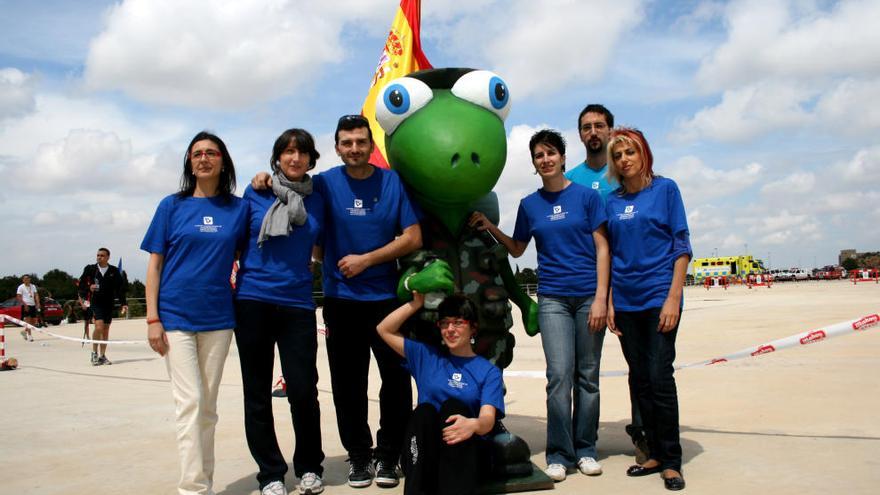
x: 445, y: 137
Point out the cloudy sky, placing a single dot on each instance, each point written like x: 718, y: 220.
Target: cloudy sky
x: 764, y: 111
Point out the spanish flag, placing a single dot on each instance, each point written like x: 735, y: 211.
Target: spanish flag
x: 402, y: 54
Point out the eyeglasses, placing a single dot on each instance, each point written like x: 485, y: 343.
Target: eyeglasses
x: 354, y: 118
x: 209, y: 154
x: 454, y: 322
x: 598, y: 126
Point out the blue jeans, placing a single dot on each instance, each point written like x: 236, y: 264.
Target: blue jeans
x: 573, y: 354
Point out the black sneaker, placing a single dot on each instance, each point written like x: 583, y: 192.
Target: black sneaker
x: 95, y: 360
x: 104, y: 360
x: 360, y: 473
x: 386, y: 474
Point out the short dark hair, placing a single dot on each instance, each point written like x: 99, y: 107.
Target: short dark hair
x: 459, y: 306
x: 596, y: 108
x: 547, y: 137
x: 105, y: 250
x: 349, y: 122
x: 301, y: 139
x: 227, y: 170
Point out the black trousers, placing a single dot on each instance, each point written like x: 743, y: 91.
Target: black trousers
x: 650, y: 356
x: 351, y: 334
x: 431, y: 466
x: 260, y: 326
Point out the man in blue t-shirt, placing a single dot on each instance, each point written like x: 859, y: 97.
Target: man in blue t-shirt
x: 369, y: 223
x: 594, y: 127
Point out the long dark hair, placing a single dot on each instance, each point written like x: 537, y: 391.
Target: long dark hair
x: 227, y: 170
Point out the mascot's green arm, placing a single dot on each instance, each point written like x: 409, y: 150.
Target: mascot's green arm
x: 526, y: 304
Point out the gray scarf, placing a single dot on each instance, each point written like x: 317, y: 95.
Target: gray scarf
x: 287, y: 210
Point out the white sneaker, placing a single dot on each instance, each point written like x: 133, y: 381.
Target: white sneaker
x: 310, y: 484
x: 556, y: 472
x: 589, y: 466
x: 274, y: 488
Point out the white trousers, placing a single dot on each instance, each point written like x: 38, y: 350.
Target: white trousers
x: 195, y: 365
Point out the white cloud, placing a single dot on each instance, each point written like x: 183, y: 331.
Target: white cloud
x: 747, y: 112
x: 784, y: 227
x: 844, y: 106
x: 863, y: 168
x: 92, y: 161
x: 16, y: 93
x: 543, y: 46
x: 788, y: 64
x: 699, y: 182
x: 219, y: 54
x: 768, y: 38
x: 793, y: 184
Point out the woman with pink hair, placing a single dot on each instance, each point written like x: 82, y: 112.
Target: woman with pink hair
x: 650, y: 251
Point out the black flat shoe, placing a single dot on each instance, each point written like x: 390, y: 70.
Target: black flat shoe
x: 675, y: 483
x: 636, y: 470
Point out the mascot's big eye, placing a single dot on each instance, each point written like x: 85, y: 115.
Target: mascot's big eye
x: 486, y: 89
x: 399, y: 99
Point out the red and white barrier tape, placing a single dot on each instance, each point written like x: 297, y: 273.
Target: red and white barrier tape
x: 804, y: 338
x: 65, y: 337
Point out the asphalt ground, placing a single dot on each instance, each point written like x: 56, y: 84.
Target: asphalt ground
x: 800, y: 421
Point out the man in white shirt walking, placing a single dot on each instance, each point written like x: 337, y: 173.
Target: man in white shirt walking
x: 29, y: 299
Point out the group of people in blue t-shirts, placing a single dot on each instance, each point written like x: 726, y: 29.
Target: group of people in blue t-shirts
x: 616, y: 259
x: 613, y: 247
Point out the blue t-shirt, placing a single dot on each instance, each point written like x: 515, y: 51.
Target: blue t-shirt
x: 562, y: 224
x: 594, y: 179
x: 441, y: 376
x: 361, y: 215
x: 198, y: 238
x: 278, y: 272
x: 648, y: 231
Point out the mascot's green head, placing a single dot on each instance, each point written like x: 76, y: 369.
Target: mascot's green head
x: 445, y: 136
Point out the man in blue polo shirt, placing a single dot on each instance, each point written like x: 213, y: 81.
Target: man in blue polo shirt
x: 594, y: 127
x: 369, y: 223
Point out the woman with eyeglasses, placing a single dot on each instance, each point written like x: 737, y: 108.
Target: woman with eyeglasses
x: 650, y: 245
x: 192, y: 240
x: 460, y: 397
x: 274, y: 307
x: 567, y: 221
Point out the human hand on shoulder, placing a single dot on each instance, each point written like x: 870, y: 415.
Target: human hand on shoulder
x: 261, y: 181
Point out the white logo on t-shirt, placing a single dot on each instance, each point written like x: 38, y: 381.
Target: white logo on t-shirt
x: 595, y: 184
x: 557, y: 209
x: 208, y: 220
x: 455, y: 381
x: 628, y: 213
x: 358, y: 203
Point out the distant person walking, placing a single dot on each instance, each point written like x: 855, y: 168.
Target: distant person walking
x: 29, y: 299
x: 101, y: 286
x: 192, y: 241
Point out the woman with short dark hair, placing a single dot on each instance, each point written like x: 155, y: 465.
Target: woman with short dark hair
x: 274, y: 307
x: 567, y: 221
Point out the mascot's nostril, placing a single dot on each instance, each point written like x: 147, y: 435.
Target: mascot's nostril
x: 475, y: 158
x: 454, y: 161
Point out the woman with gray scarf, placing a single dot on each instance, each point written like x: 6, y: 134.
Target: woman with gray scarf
x: 274, y: 306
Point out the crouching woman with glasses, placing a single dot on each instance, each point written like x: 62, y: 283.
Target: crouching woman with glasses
x: 460, y: 397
